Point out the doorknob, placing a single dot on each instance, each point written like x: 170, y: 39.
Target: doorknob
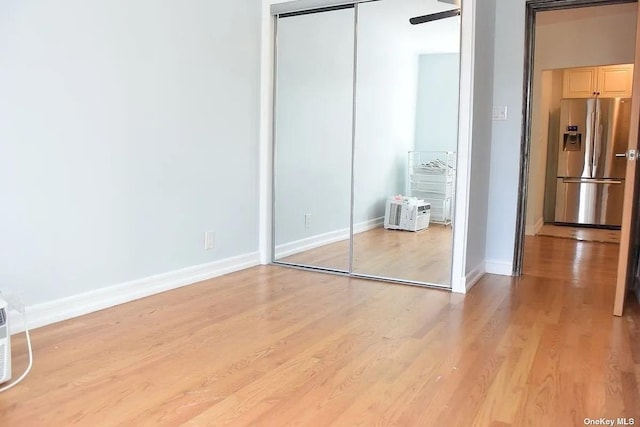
x: 631, y: 154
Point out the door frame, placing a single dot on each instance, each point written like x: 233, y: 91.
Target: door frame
x: 533, y: 7
x: 465, y: 121
x: 629, y: 240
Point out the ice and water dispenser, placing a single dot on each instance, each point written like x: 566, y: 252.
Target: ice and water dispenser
x: 572, y: 139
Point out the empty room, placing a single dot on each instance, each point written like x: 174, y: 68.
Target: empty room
x: 319, y: 212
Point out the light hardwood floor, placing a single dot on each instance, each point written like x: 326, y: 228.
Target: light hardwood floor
x: 272, y: 346
x: 580, y: 233
x: 423, y: 256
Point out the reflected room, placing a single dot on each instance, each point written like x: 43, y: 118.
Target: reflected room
x: 365, y: 139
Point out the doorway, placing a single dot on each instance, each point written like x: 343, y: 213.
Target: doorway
x: 576, y: 131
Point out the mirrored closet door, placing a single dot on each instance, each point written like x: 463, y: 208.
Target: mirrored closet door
x: 313, y: 138
x: 405, y: 137
x: 365, y: 135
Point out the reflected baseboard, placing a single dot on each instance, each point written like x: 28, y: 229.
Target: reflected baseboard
x: 312, y: 242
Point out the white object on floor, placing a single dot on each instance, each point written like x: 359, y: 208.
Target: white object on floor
x: 5, y: 342
x: 406, y: 213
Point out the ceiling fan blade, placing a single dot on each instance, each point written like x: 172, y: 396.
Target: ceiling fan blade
x: 434, y: 17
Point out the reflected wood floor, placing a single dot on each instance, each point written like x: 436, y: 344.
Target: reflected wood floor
x: 423, y: 256
x: 271, y: 346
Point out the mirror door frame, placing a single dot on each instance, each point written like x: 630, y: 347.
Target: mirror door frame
x: 459, y: 282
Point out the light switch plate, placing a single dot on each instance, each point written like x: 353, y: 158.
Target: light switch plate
x: 499, y: 112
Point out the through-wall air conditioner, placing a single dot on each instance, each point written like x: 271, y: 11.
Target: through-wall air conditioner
x: 5, y: 342
x: 407, y: 213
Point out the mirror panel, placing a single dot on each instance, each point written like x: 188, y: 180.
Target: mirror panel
x: 313, y: 139
x: 406, y: 123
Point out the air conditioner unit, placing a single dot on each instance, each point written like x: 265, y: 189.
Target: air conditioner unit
x: 5, y: 342
x: 407, y: 213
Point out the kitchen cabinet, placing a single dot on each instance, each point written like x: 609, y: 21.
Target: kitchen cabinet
x: 580, y: 82
x: 615, y: 81
x: 610, y: 81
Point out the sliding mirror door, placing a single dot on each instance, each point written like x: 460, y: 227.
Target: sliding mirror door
x: 406, y: 125
x: 313, y: 138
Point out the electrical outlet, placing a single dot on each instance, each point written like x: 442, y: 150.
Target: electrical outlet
x: 307, y: 220
x: 209, y: 240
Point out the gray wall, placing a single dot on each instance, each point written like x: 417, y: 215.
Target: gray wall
x: 437, y: 104
x: 481, y: 134
x: 128, y: 129
x: 506, y: 135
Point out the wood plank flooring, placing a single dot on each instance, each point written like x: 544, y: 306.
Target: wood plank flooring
x: 423, y: 256
x: 580, y: 233
x: 271, y: 346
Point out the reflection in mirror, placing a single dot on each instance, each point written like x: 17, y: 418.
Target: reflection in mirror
x: 313, y: 139
x: 405, y: 141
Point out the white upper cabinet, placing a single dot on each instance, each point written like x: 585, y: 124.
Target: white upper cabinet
x: 615, y: 81
x: 607, y: 81
x: 580, y: 82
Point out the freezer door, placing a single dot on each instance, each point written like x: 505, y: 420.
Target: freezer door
x: 589, y: 201
x: 613, y: 117
x: 577, y: 117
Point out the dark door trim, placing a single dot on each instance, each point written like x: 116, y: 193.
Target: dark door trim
x: 533, y: 7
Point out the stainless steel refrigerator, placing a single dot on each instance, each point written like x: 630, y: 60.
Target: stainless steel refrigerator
x: 591, y: 167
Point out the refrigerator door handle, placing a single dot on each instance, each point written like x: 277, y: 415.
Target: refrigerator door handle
x: 591, y: 181
x: 588, y: 152
x: 595, y: 152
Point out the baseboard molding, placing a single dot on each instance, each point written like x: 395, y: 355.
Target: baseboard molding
x: 474, y: 276
x: 502, y: 268
x: 99, y: 299
x: 533, y: 229
x: 538, y: 226
x: 318, y: 240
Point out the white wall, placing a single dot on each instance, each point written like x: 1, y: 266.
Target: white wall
x: 508, y: 75
x: 437, y: 104
x: 127, y: 129
x: 481, y: 136
x: 585, y: 36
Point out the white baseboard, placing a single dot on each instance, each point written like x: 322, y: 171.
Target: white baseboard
x: 318, y: 240
x: 87, y: 302
x: 533, y: 229
x: 502, y: 268
x: 538, y: 225
x: 474, y: 275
